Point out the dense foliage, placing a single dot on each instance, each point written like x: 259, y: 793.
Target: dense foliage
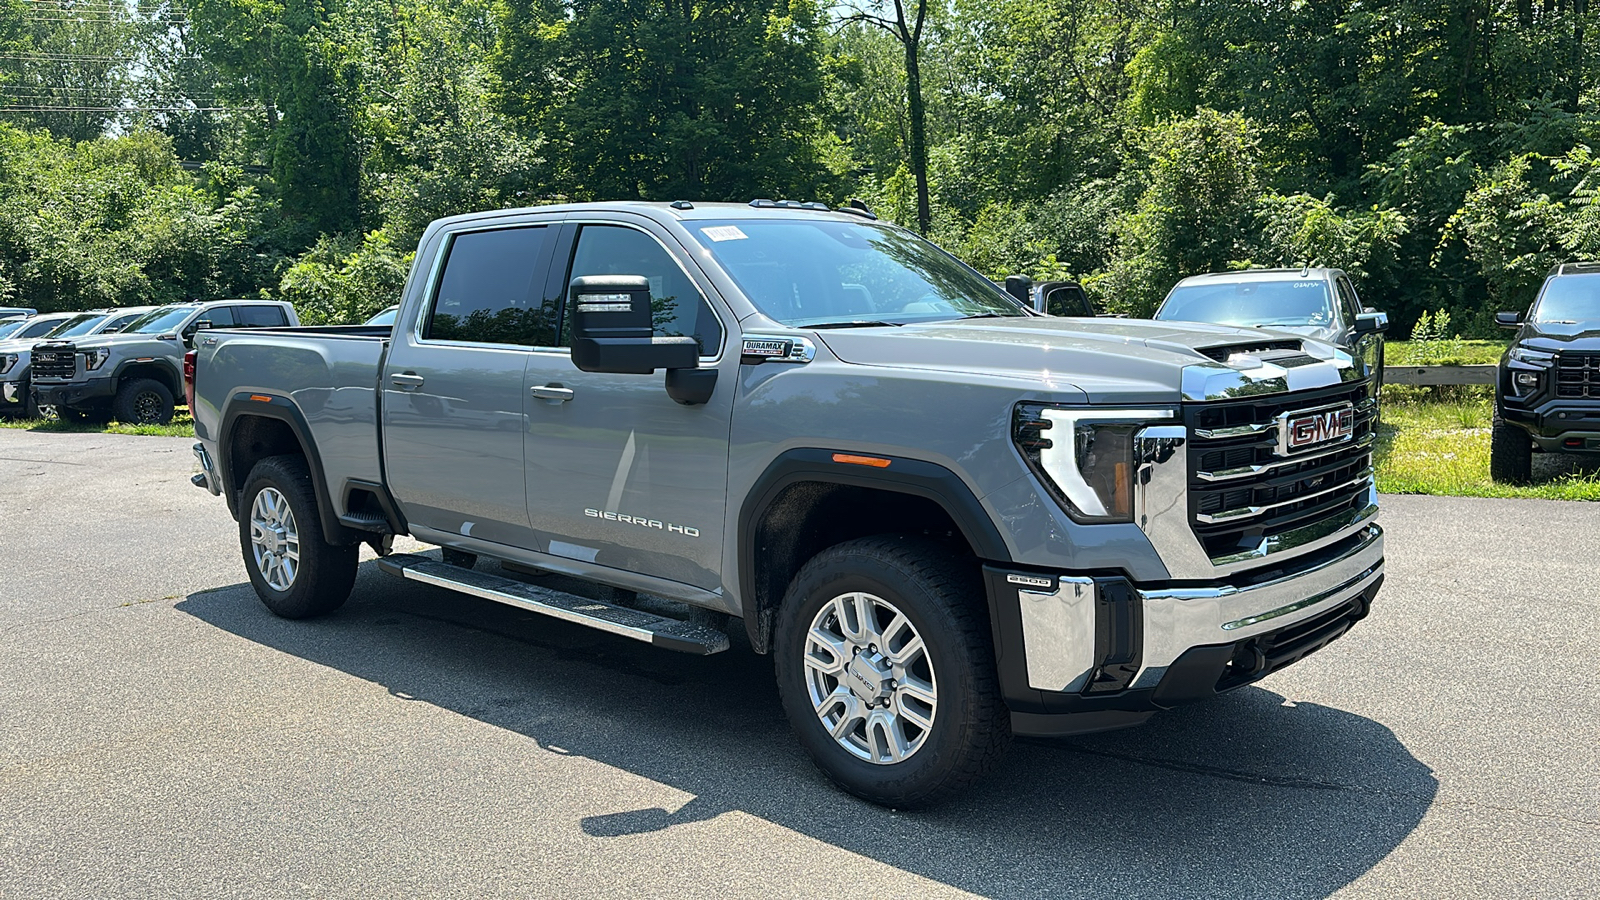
x: 1441, y: 150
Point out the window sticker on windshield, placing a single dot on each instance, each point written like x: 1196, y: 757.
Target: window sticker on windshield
x: 720, y: 233
x: 1306, y: 284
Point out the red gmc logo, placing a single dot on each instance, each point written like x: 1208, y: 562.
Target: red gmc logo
x: 1321, y: 427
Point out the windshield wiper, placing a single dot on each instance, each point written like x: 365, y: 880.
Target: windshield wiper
x: 853, y: 324
x: 991, y: 315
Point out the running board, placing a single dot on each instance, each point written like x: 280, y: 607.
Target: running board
x: 670, y: 634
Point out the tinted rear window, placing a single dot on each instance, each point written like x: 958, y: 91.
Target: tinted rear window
x: 489, y: 290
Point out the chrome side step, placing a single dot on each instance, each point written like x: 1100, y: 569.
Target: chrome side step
x: 670, y: 634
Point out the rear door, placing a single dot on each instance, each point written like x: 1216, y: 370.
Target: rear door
x: 617, y: 472
x: 453, y: 410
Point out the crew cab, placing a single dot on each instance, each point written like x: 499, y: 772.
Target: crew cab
x: 135, y: 375
x: 947, y: 518
x: 1547, y: 389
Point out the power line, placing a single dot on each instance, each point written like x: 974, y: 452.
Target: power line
x: 17, y: 109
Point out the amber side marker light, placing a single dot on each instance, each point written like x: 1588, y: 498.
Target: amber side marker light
x: 260, y: 398
x: 874, y: 461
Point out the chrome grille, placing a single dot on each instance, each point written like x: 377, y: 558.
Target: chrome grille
x: 1578, y: 375
x: 58, y: 363
x: 1243, y: 488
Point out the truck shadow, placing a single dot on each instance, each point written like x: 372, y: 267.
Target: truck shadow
x: 1246, y: 796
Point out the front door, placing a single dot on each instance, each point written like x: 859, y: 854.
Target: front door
x: 618, y: 473
x: 453, y: 411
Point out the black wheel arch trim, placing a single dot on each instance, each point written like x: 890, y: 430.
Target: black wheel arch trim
x: 275, y: 406
x: 173, y: 375
x: 902, y: 475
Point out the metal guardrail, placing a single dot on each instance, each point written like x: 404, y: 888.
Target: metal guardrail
x: 1434, y: 376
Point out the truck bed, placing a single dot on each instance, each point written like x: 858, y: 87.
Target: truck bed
x: 330, y: 372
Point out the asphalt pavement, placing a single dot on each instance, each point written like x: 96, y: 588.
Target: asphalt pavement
x: 162, y: 735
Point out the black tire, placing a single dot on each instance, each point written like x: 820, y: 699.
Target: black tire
x: 941, y: 593
x: 143, y: 401
x: 461, y: 559
x: 325, y: 573
x: 1510, y: 454
x: 31, y: 408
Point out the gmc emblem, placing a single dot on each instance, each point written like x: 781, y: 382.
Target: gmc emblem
x: 1300, y: 430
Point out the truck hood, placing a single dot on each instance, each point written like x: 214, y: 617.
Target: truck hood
x: 1108, y: 360
x: 1558, y: 336
x: 113, y: 340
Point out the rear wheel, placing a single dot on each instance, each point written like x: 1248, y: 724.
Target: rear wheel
x: 294, y: 570
x: 143, y: 401
x: 886, y: 670
x: 1510, y: 454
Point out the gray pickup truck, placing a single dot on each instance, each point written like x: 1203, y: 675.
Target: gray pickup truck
x: 136, y: 374
x: 947, y: 518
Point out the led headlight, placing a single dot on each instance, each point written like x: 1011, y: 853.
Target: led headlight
x: 7, y: 361
x: 1527, y: 379
x: 1085, y: 456
x: 1531, y: 357
x: 94, y: 359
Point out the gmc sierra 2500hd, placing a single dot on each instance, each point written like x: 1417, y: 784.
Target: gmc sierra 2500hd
x: 947, y: 518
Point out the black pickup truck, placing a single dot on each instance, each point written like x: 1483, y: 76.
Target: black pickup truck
x: 1547, y: 392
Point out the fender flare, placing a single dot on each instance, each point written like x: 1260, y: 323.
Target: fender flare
x: 281, y: 408
x: 902, y: 475
x: 121, y: 371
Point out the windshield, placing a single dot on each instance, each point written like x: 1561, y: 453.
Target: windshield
x: 1569, y: 299
x: 116, y: 323
x: 1302, y: 302
x: 7, y: 329
x: 78, y: 326
x: 160, y: 320
x: 384, y: 318
x: 816, y: 272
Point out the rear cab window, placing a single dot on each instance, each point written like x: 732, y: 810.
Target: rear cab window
x: 489, y: 290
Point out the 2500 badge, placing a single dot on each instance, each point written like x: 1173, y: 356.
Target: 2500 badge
x: 609, y: 516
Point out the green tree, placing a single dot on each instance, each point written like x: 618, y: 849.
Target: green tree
x: 666, y: 99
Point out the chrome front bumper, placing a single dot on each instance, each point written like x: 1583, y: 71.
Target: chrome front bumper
x: 1177, y: 619
x: 1058, y: 614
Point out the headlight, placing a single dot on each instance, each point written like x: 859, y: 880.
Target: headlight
x: 1085, y: 456
x: 1531, y: 357
x: 7, y: 361
x: 94, y: 359
x: 1527, y: 379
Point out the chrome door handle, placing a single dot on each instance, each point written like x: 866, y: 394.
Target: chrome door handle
x: 553, y: 392
x: 406, y: 381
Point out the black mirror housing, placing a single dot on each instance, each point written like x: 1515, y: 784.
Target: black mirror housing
x: 1020, y: 287
x: 613, y: 328
x: 1372, y: 323
x: 1508, y: 319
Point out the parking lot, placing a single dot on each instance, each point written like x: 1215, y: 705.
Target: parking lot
x: 161, y: 734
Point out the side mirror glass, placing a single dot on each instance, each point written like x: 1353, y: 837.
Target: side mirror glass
x: 1372, y: 323
x: 613, y: 328
x: 1064, y: 298
x: 1508, y: 319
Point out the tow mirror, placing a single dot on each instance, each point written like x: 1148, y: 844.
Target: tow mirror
x: 1062, y: 298
x: 613, y: 331
x: 1021, y: 287
x: 1372, y: 323
x: 193, y: 330
x: 1508, y: 319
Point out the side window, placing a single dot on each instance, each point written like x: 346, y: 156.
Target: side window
x: 218, y: 316
x: 39, y: 328
x: 260, y: 316
x: 1348, y: 301
x: 679, y: 308
x: 487, y: 293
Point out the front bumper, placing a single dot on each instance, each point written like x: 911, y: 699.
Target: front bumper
x: 1086, y: 653
x: 75, y: 393
x: 13, y: 393
x: 1558, y: 425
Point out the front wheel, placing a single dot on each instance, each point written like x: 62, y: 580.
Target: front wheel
x: 294, y: 570
x: 886, y: 670
x: 1510, y: 454
x: 143, y: 401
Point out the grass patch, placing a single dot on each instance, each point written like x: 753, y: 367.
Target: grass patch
x: 1442, y: 448
x: 180, y: 426
x: 1444, y: 353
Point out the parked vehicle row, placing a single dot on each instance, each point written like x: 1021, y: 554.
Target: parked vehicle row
x: 947, y: 517
x: 125, y: 364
